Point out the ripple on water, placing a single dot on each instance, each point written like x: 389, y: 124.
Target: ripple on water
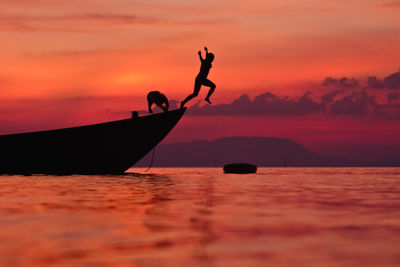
x: 199, y: 216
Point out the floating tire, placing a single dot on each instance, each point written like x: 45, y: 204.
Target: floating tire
x: 241, y: 168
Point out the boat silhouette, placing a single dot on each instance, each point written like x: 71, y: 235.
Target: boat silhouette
x: 104, y: 148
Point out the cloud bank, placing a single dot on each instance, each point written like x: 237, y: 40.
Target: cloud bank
x: 345, y: 96
x: 264, y: 104
x: 390, y: 82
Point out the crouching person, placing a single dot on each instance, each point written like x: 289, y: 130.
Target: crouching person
x: 155, y: 97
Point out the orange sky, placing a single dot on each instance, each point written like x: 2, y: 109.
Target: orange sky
x: 53, y: 48
x: 121, y: 49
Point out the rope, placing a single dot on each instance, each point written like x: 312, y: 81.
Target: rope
x: 152, y: 160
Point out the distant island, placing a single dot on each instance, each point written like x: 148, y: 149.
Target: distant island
x: 261, y: 151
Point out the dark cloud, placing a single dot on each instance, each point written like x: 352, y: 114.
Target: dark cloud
x: 342, y: 82
x: 390, y: 82
x: 264, y: 104
x: 354, y: 104
x: 346, y: 82
x: 338, y: 102
x: 375, y: 82
x: 329, y: 97
x: 330, y: 81
x: 391, y: 97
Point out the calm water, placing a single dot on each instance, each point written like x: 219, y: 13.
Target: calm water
x: 202, y: 217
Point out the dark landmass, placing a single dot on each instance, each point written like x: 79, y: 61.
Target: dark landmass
x: 261, y: 151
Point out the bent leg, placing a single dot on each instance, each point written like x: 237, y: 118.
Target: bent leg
x: 211, y: 91
x: 195, y: 93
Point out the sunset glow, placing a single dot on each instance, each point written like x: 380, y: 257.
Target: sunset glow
x: 67, y: 63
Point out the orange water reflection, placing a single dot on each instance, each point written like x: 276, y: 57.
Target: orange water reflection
x: 319, y: 217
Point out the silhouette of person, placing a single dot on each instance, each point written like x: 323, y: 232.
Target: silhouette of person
x: 155, y: 97
x: 201, y: 78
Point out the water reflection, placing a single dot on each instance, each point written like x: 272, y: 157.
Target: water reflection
x: 202, y: 217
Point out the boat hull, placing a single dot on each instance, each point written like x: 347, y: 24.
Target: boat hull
x: 105, y: 148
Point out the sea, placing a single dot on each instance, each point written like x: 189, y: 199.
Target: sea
x: 203, y: 217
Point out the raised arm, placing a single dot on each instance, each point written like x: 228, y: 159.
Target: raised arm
x: 201, y: 58
x: 205, y: 48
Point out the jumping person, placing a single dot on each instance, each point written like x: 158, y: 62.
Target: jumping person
x: 201, y: 78
x: 155, y: 97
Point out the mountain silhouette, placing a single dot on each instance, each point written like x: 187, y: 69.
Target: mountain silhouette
x: 261, y: 151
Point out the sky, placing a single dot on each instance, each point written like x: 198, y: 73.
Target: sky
x: 323, y: 73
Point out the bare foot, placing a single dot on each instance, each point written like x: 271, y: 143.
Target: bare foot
x: 208, y: 100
